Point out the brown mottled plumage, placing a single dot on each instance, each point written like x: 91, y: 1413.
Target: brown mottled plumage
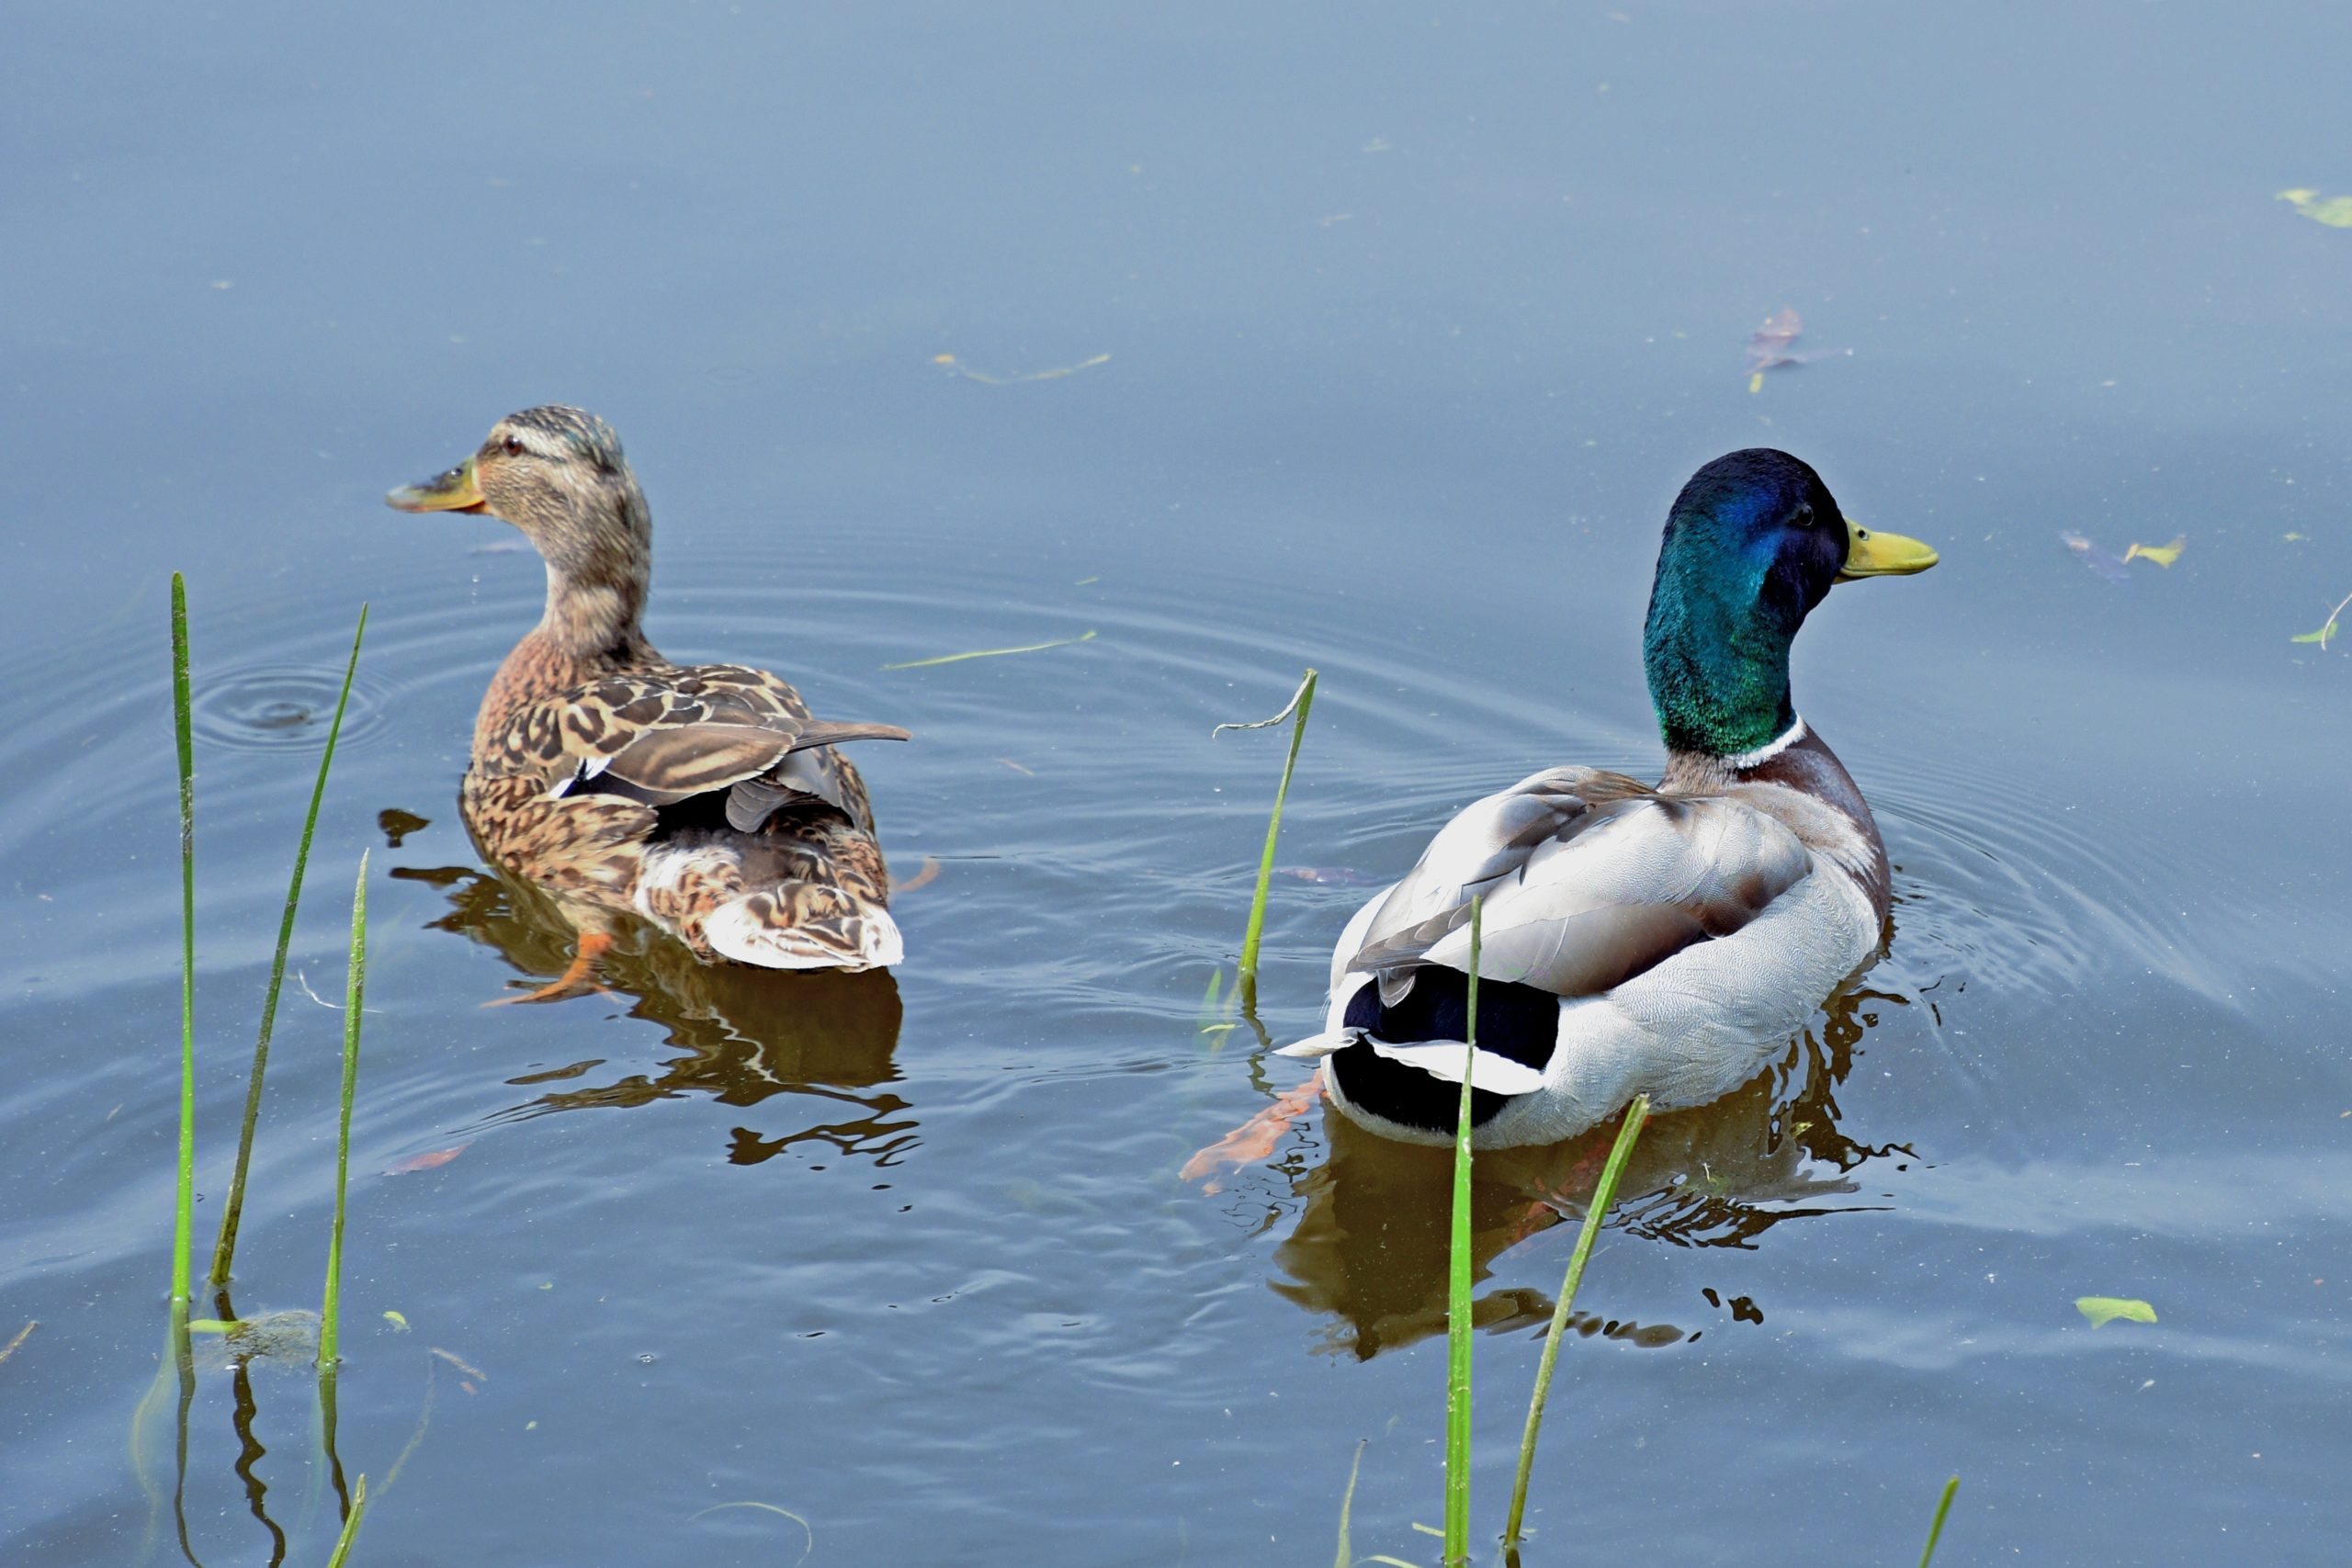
x: 705, y: 798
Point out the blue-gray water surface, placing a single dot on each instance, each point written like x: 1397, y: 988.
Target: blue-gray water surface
x: 1389, y: 331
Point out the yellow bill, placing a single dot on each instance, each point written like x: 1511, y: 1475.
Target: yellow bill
x: 1871, y: 554
x: 453, y: 491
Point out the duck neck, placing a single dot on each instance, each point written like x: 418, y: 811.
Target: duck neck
x: 594, y: 619
x: 1717, y: 658
x: 597, y: 578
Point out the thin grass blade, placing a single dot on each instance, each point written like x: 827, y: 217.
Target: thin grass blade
x: 991, y: 652
x: 1457, y: 1285
x: 1347, y: 1556
x: 233, y: 1210
x: 355, y: 993
x: 184, y: 736
x: 1603, y: 1193
x: 350, y: 1524
x: 1302, y: 702
x: 808, y: 1531
x: 1936, y: 1530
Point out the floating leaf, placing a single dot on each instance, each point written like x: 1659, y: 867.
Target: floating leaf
x: 1326, y: 876
x: 474, y: 1373
x: 397, y: 1321
x: 2329, y: 628
x: 2104, y: 1310
x: 2108, y: 566
x: 1769, y: 346
x: 2162, y: 555
x: 428, y: 1160
x: 990, y: 653
x: 2335, y: 212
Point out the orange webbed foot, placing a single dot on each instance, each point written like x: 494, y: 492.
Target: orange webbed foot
x: 576, y: 981
x: 1256, y: 1138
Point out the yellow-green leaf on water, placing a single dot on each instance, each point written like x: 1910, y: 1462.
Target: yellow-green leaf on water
x: 2335, y: 212
x: 2162, y: 555
x: 2328, y: 628
x: 397, y: 1321
x: 2104, y: 1310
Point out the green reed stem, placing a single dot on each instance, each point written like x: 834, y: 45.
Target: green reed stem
x: 354, y: 994
x: 350, y: 1524
x: 1603, y: 1193
x: 233, y: 1210
x: 184, y: 735
x: 1457, y: 1286
x: 1301, y: 701
x: 1936, y: 1530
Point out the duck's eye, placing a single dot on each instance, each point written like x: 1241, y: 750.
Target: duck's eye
x: 513, y: 445
x: 1805, y: 515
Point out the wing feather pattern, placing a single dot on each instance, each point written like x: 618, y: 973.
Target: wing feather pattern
x: 661, y: 736
x: 1589, y: 879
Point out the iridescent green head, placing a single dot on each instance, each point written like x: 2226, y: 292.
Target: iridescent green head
x: 1753, y: 542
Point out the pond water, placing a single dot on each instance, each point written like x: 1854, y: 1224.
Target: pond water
x: 1413, y: 324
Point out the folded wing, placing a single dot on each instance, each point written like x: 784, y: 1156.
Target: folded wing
x: 663, y: 737
x: 1589, y: 878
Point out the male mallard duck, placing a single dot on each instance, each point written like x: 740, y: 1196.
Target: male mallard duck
x: 1637, y: 940
x: 702, y: 797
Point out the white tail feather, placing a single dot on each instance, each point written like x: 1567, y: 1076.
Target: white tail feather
x: 733, y: 932
x: 1441, y: 1059
x: 1316, y: 1046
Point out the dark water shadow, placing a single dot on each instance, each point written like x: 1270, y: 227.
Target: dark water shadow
x: 822, y: 1039
x: 1369, y: 1248
x: 244, y: 1414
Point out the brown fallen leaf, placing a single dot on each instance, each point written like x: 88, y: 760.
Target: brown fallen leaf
x: 428, y: 1160
x: 473, y: 1371
x: 1769, y: 346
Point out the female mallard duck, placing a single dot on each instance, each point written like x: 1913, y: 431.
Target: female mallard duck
x: 1637, y: 940
x: 702, y: 797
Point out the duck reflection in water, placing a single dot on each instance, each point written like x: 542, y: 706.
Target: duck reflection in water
x: 1369, y: 1247
x: 823, y: 1037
